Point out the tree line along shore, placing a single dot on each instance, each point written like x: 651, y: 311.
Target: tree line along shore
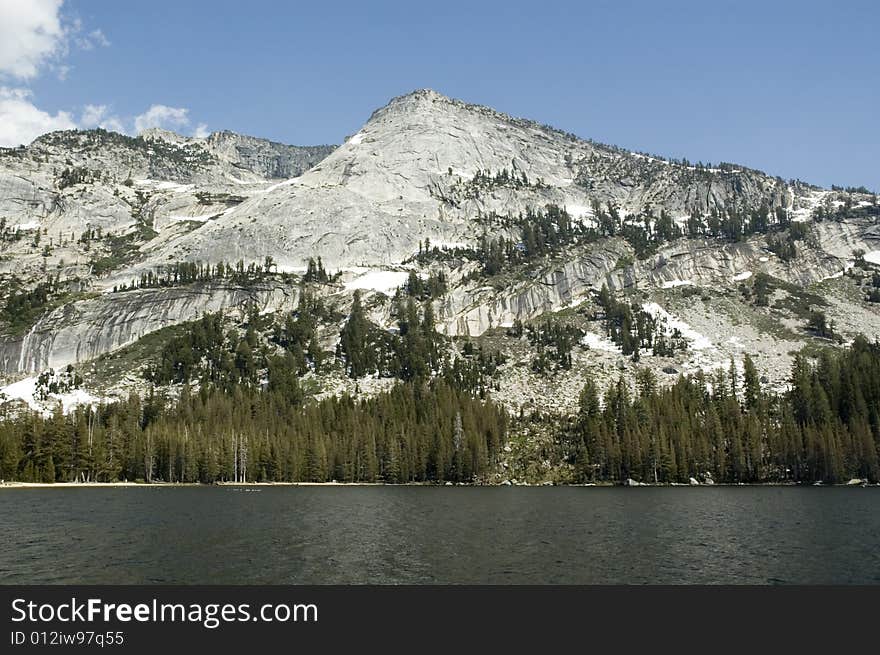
x: 439, y: 423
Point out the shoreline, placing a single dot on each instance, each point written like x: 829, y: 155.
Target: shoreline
x: 601, y: 485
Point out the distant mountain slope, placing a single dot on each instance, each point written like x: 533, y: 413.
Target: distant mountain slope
x: 269, y: 159
x: 409, y: 174
x: 507, y: 229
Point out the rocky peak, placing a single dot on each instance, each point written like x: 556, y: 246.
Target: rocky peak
x: 423, y: 167
x: 414, y: 99
x: 426, y: 165
x: 158, y: 134
x: 409, y: 144
x: 422, y: 103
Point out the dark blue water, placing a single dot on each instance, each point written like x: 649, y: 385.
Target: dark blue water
x: 289, y: 535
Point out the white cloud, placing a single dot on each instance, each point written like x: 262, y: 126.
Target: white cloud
x: 90, y: 41
x: 97, y: 116
x: 97, y: 37
x: 168, y: 118
x: 31, y: 34
x: 175, y: 119
x: 36, y: 36
x: 162, y: 116
x: 21, y: 121
x: 93, y: 115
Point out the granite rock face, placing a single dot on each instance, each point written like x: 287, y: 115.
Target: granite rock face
x: 82, y: 330
x: 268, y: 159
x: 408, y: 174
x: 471, y: 310
x: 102, y: 208
x: 71, y: 181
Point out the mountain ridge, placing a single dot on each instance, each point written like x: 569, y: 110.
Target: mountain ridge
x: 421, y: 140
x: 108, y: 239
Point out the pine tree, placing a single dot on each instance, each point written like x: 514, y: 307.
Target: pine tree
x: 354, y: 340
x: 751, y: 384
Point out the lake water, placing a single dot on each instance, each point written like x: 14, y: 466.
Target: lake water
x: 314, y: 535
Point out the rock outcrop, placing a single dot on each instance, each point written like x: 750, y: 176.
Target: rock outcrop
x: 268, y: 159
x: 85, y: 329
x: 103, y: 208
x: 408, y: 174
x: 471, y: 310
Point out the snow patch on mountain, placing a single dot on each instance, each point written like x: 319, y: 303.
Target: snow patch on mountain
x: 846, y: 268
x: 579, y: 211
x: 285, y: 268
x: 597, y: 342
x: 23, y: 390
x: 164, y: 185
x: 28, y: 391
x: 697, y: 340
x: 808, y: 204
x: 382, y: 281
x: 278, y: 185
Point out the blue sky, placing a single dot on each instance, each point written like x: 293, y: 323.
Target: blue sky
x: 790, y: 88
